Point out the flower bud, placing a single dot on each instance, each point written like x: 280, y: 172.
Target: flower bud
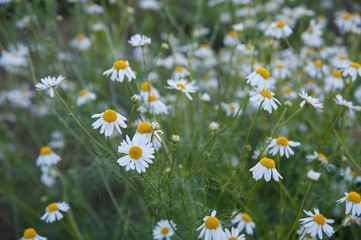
x: 175, y: 139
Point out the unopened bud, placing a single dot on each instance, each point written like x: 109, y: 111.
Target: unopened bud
x: 155, y: 126
x: 165, y: 46
x: 288, y: 103
x: 213, y: 126
x: 59, y: 18
x: 175, y: 139
x: 248, y: 147
x: 135, y: 98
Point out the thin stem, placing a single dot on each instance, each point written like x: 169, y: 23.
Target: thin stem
x: 130, y: 118
x: 130, y: 99
x: 111, y: 147
x: 67, y: 228
x: 161, y: 170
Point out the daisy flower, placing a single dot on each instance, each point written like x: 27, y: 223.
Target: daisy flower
x: 316, y: 224
x: 52, y: 212
x: 265, y: 98
x: 265, y: 168
x: 211, y: 229
x: 138, y: 40
x: 313, y: 176
x: 352, y: 69
x: 180, y: 72
x: 259, y: 78
x: 183, y: 86
x: 344, y: 22
x: 313, y: 35
x: 154, y: 105
x: 303, y: 235
x: 107, y: 121
x: 280, y: 71
x: 334, y: 81
x: 47, y: 157
x: 350, y: 175
x: 139, y: 152
x: 316, y: 69
x: 278, y: 30
x: 244, y: 221
x: 353, y: 203
x: 93, y: 8
x: 209, y: 82
x: 350, y: 220
x: 231, y: 109
x: 49, y: 83
x: 14, y: 58
x: 283, y: 146
x: 150, y: 4
x: 319, y: 156
x: 231, y: 39
x: 31, y: 234
x: 204, y: 51
x: 80, y: 42
x: 314, y: 102
x: 146, y: 89
x: 85, y: 96
x: 145, y: 130
x: 339, y: 100
x: 119, y: 69
x: 288, y: 93
x: 164, y: 229
x: 234, y: 234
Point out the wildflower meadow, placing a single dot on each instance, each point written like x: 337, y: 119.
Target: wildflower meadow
x: 169, y: 119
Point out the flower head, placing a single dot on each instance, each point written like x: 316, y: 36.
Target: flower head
x: 138, y: 40
x: 49, y: 83
x: 52, y: 212
x: 316, y: 224
x: 119, y: 70
x: 183, y: 86
x: 164, y: 229
x: 283, y: 146
x: 314, y: 102
x: 265, y: 167
x: 353, y: 203
x: 31, y: 234
x: 265, y: 98
x: 47, y: 157
x: 259, y: 78
x: 211, y: 229
x: 108, y: 120
x: 234, y: 234
x: 244, y: 221
x: 85, y: 96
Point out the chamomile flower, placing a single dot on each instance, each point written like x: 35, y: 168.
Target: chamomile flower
x: 138, y: 40
x: 15, y: 58
x: 204, y: 51
x: 48, y: 175
x: 316, y: 224
x: 283, y: 146
x: 144, y: 129
x: 164, y: 229
x: 52, y: 212
x: 265, y: 98
x: 280, y: 71
x: 231, y: 108
x: 265, y: 168
x: 319, y: 156
x: 350, y: 220
x: 313, y: 176
x: 139, y: 152
x: 119, y: 70
x: 47, y: 157
x: 49, y: 83
x: 316, y: 69
x: 183, y: 86
x: 353, y: 203
x: 303, y: 235
x: 334, y: 81
x: 278, y: 30
x: 234, y: 234
x: 93, y: 8
x: 107, y: 121
x: 180, y: 72
x: 80, y: 42
x: 350, y: 175
x: 313, y: 35
x: 244, y: 221
x: 31, y: 234
x: 344, y: 22
x: 147, y: 89
x: 339, y: 100
x: 211, y: 229
x: 150, y: 4
x: 245, y: 49
x: 209, y: 82
x: 314, y: 102
x: 259, y: 78
x: 352, y: 70
x: 231, y: 39
x: 85, y: 96
x: 153, y: 105
x: 288, y: 93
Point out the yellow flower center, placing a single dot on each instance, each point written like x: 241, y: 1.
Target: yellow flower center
x: 15, y: 54
x: 317, y: 63
x: 91, y: 4
x: 263, y: 72
x: 308, y: 236
x: 152, y: 97
x: 164, y: 231
x: 352, y: 173
x: 355, y: 65
x: 232, y: 238
x: 233, y: 34
x: 83, y: 92
x: 247, y: 218
x: 281, y: 24
x: 231, y: 107
x: 266, y: 94
x: 322, y: 156
x: 204, y: 46
x: 336, y: 74
x: 354, y: 197
x: 146, y: 86
x: 280, y: 66
x: 181, y: 86
x: 144, y: 127
x: 45, y: 150
x: 320, y: 219
x: 267, y: 162
x: 352, y: 221
x: 30, y: 233
x: 120, y: 65
x: 282, y: 141
x: 79, y: 37
x: 135, y: 152
x: 179, y: 69
x: 342, y: 57
x: 247, y: 47
x: 212, y: 223
x: 346, y: 16
x: 110, y: 115
x: 287, y: 90
x: 52, y: 207
x: 206, y: 78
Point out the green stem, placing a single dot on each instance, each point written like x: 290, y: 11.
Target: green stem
x: 130, y: 99
x: 161, y: 170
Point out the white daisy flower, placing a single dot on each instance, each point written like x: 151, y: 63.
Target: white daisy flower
x: 52, y: 212
x: 334, y: 81
x: 288, y: 93
x: 283, y: 146
x: 80, y: 42
x: 339, y: 100
x: 231, y: 109
x: 14, y: 58
x: 303, y: 235
x: 280, y: 71
x: 313, y: 176
x: 245, y: 49
x: 146, y: 89
x: 265, y: 168
x: 350, y: 175
x: 265, y: 98
x: 316, y: 224
x: 211, y: 229
x: 183, y: 86
x: 313, y: 35
x: 49, y: 83
x: 352, y: 70
x: 278, y: 30
x: 119, y: 70
x: 204, y: 51
x: 47, y: 157
x: 139, y: 152
x: 138, y: 40
x: 85, y: 96
x: 150, y: 4
x: 145, y: 130
x: 48, y: 175
x: 164, y: 229
x: 107, y: 121
x: 344, y: 22
x: 154, y: 105
x: 31, y: 234
x: 319, y: 156
x: 259, y: 78
x: 244, y: 221
x: 180, y: 72
x: 93, y: 8
x: 353, y: 203
x: 234, y: 234
x: 350, y: 220
x: 316, y: 69
x: 209, y: 82
x: 231, y: 39
x: 314, y: 102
